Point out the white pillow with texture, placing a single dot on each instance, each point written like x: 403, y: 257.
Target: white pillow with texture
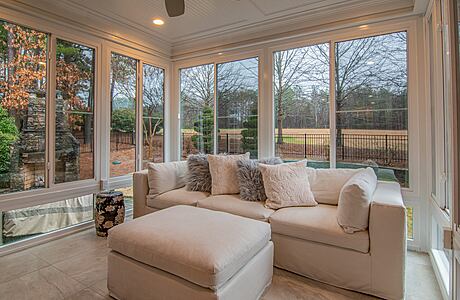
x: 355, y: 200
x: 165, y: 177
x: 287, y: 185
x: 326, y: 184
x: 224, y: 170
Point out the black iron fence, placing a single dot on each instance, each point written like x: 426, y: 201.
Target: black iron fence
x: 384, y: 149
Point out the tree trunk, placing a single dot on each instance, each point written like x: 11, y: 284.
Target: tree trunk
x: 280, y: 117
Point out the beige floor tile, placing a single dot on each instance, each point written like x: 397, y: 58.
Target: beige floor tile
x: 101, y: 287
x: 88, y: 267
x: 46, y: 283
x: 421, y: 283
x: 88, y: 294
x: 15, y: 265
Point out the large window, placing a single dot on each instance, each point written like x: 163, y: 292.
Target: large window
x: 123, y: 92
x: 23, y: 108
x: 237, y: 95
x: 74, y: 136
x: 371, y: 105
x: 301, y: 99
x: 153, y: 113
x: 197, y: 109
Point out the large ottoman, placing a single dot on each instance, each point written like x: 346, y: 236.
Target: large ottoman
x: 186, y: 252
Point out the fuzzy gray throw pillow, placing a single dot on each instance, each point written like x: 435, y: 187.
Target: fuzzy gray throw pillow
x: 250, y: 178
x: 199, y: 176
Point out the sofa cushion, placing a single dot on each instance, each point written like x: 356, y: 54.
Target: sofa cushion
x: 327, y: 183
x: 287, y: 185
x: 175, y: 197
x: 202, y: 246
x: 199, y: 178
x: 317, y: 224
x: 355, y: 200
x: 223, y: 170
x: 164, y: 177
x: 234, y: 205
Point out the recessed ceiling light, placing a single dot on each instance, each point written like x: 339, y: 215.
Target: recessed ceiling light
x: 363, y: 27
x: 220, y: 53
x: 158, y: 22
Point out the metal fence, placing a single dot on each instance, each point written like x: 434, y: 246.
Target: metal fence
x: 384, y: 149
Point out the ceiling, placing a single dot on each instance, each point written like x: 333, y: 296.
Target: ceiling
x: 206, y: 20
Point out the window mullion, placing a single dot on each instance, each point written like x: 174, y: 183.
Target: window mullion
x: 50, y: 113
x: 332, y: 106
x: 139, y: 123
x: 215, y: 133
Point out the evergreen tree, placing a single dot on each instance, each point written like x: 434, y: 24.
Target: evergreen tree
x: 204, y: 126
x: 249, y: 134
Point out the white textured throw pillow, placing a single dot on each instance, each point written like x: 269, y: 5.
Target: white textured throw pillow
x: 326, y: 184
x: 223, y: 170
x: 355, y: 199
x: 287, y: 185
x: 165, y: 177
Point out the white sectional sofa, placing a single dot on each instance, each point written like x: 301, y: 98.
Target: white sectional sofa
x: 309, y: 241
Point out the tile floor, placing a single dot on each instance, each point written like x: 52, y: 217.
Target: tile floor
x: 74, y: 267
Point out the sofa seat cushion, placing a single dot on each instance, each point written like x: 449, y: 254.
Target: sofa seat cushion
x: 234, y: 205
x: 202, y: 246
x: 175, y: 197
x: 317, y: 224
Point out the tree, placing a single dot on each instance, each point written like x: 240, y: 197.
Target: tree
x: 153, y: 103
x: 292, y: 68
x: 250, y: 134
x: 8, y: 134
x: 124, y: 120
x: 204, y: 142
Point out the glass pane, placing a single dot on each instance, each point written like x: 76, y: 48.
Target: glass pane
x: 371, y: 104
x: 237, y: 101
x: 123, y: 87
x: 301, y: 95
x: 410, y: 223
x: 24, y: 223
x: 153, y: 114
x: 434, y: 172
x: 74, y: 112
x: 22, y: 108
x: 128, y: 199
x: 197, y: 109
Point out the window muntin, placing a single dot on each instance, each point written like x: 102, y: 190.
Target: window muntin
x: 301, y: 104
x: 237, y: 106
x: 74, y: 105
x: 371, y: 105
x: 123, y: 93
x: 197, y: 109
x: 153, y: 114
x: 23, y: 65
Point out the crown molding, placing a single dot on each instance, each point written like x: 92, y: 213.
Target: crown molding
x: 258, y: 33
x: 75, y: 22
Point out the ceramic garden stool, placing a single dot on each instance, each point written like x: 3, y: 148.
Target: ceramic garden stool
x: 110, y: 211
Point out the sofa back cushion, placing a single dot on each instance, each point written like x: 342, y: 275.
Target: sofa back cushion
x: 287, y: 185
x: 165, y: 177
x: 326, y: 184
x: 250, y: 179
x: 355, y: 200
x: 223, y: 170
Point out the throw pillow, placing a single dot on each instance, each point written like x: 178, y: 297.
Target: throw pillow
x: 287, y: 185
x: 199, y: 177
x: 223, y: 170
x: 165, y: 177
x: 326, y: 184
x: 250, y: 178
x: 355, y: 200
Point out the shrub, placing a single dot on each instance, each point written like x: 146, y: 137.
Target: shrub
x: 8, y: 135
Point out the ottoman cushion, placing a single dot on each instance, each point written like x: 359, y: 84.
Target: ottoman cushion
x: 202, y: 246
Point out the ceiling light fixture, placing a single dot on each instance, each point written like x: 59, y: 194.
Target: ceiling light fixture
x: 363, y: 27
x: 158, y: 22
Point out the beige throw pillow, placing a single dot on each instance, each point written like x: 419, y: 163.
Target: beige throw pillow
x: 355, y: 200
x: 326, y: 184
x: 223, y: 170
x: 287, y: 185
x: 165, y: 177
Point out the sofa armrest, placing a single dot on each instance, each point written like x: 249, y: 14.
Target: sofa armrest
x: 140, y: 192
x: 387, y: 232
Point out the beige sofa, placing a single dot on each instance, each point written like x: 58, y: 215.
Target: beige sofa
x: 308, y: 240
